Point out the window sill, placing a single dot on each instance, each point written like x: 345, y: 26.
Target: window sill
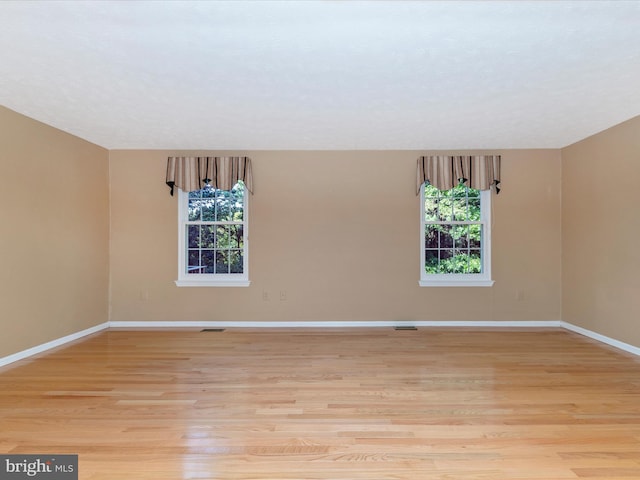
x: 212, y: 283
x: 456, y: 283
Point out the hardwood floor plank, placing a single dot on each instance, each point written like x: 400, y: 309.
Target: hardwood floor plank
x: 491, y: 404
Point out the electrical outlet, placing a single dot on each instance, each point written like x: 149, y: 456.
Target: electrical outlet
x: 283, y: 295
x: 265, y: 296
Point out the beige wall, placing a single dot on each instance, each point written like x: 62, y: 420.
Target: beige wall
x: 55, y: 232
x: 601, y: 228
x: 339, y: 232
x: 336, y: 230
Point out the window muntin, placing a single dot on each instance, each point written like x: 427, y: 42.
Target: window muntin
x: 213, y: 237
x: 455, y: 237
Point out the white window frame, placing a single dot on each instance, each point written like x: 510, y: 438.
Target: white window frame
x: 214, y: 279
x: 482, y: 279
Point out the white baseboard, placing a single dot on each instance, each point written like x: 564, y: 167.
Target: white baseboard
x: 601, y: 338
x: 333, y: 324
x: 52, y: 344
x: 312, y: 324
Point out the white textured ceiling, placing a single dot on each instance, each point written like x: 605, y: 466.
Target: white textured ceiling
x: 322, y: 74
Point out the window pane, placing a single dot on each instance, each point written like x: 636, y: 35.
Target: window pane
x: 235, y: 236
x: 431, y: 261
x: 460, y: 235
x: 475, y: 236
x: 431, y: 236
x: 445, y: 213
x: 207, y: 236
x: 237, y: 212
x: 208, y: 260
x: 459, y: 262
x: 222, y: 237
x: 445, y: 238
x: 223, y: 206
x: 208, y: 210
x: 195, y: 209
x: 475, y: 262
x: 445, y: 261
x: 237, y: 206
x: 474, y: 209
x: 222, y: 261
x: 194, y: 262
x: 431, y: 209
x: 236, y: 261
x: 193, y: 236
x: 431, y: 196
x: 460, y: 209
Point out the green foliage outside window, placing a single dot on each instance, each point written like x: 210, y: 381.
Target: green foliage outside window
x: 453, y: 232
x: 215, y: 230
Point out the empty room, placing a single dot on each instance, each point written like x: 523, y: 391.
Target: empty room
x: 320, y: 240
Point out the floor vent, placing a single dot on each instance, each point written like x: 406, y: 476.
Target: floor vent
x: 408, y: 327
x: 212, y: 330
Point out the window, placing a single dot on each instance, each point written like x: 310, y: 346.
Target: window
x: 213, y: 237
x: 456, y: 237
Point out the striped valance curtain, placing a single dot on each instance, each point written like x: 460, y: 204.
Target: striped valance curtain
x: 445, y: 172
x: 193, y: 173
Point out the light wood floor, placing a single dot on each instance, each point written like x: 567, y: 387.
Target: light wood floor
x: 459, y: 404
